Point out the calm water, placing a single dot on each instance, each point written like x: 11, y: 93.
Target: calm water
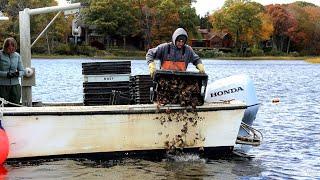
x: 291, y: 128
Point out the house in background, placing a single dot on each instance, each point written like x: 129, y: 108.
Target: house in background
x: 213, y: 40
x: 208, y: 40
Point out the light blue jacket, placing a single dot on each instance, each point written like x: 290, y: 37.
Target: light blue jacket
x: 10, y: 63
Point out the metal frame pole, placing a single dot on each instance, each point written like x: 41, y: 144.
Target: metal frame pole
x: 45, y: 29
x: 25, y: 52
x: 25, y: 44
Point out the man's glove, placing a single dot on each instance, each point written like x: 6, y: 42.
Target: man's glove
x: 10, y: 74
x: 152, y: 69
x: 200, y: 67
x: 16, y: 74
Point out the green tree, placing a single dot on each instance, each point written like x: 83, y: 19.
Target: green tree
x: 304, y: 4
x: 54, y: 35
x: 152, y: 20
x: 165, y: 21
x: 241, y: 19
x: 205, y: 22
x: 111, y: 17
x: 188, y: 19
x: 145, y: 13
x: 169, y: 15
x: 127, y: 21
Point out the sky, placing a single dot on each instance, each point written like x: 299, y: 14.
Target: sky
x: 204, y: 6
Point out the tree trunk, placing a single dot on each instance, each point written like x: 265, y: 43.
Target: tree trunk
x: 124, y: 42
x: 148, y: 36
x: 108, y: 41
x: 274, y: 44
x: 48, y: 45
x: 282, y: 43
x: 52, y: 44
x: 288, y: 47
x: 86, y: 36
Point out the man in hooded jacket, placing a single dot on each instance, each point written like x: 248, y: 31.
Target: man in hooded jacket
x: 175, y: 55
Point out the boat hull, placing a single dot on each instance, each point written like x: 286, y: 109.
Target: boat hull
x: 47, y: 131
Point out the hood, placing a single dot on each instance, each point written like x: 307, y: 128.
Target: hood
x: 177, y: 32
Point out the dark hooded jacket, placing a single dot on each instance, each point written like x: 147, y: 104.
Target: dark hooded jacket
x: 169, y: 51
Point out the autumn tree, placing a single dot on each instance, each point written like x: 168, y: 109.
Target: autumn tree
x: 266, y: 27
x: 298, y: 33
x: 284, y: 25
x: 145, y: 13
x: 314, y: 16
x: 165, y: 21
x: 152, y: 20
x: 169, y: 15
x: 242, y: 19
x: 54, y: 35
x: 305, y: 37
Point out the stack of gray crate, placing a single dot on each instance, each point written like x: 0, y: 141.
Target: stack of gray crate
x: 106, y: 83
x: 140, y: 90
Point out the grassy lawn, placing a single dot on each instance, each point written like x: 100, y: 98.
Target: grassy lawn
x: 313, y: 60
x: 140, y: 56
x: 262, y: 58
x: 55, y: 56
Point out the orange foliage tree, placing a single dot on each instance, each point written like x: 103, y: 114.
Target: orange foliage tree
x: 283, y: 23
x: 305, y: 35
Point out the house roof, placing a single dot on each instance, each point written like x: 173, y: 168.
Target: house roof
x: 208, y: 35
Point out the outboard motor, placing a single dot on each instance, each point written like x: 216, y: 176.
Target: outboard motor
x: 238, y: 87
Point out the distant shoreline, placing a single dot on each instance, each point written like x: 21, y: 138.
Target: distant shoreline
x: 307, y: 58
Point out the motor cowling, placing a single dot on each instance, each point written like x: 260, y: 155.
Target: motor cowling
x: 241, y: 88
x: 237, y: 87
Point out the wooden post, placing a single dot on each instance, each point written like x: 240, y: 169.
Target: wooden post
x: 25, y: 52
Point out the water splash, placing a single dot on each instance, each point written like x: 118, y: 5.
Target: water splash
x: 186, y: 157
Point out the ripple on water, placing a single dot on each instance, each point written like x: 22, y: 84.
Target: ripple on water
x: 291, y: 127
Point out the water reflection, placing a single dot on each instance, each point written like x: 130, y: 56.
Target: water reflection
x: 186, y: 166
x: 291, y: 127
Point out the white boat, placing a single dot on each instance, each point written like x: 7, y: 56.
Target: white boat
x: 62, y: 130
x: 215, y: 129
x: 66, y: 130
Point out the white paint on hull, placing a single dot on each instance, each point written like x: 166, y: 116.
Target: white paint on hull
x: 97, y: 131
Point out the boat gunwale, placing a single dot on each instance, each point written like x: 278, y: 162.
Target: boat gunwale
x: 124, y: 109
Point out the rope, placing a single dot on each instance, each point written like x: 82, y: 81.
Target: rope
x: 1, y: 109
x: 3, y: 102
x: 222, y: 101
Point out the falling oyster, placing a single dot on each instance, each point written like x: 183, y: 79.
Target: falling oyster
x: 186, y: 93
x: 178, y: 91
